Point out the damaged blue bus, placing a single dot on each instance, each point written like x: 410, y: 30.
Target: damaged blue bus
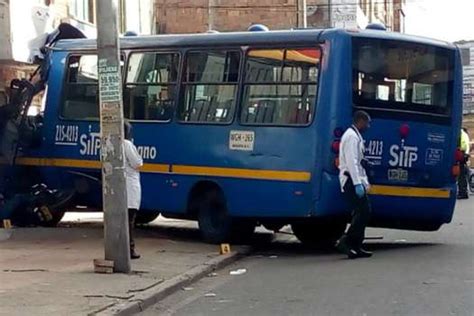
x: 243, y: 129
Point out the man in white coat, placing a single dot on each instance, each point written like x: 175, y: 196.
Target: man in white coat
x: 133, y: 162
x: 355, y: 185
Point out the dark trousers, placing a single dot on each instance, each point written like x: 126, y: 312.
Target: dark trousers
x: 360, y: 211
x: 132, y: 214
x: 462, y: 179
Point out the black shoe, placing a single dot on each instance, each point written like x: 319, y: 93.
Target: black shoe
x: 463, y: 196
x: 361, y: 253
x: 134, y: 255
x: 342, y: 247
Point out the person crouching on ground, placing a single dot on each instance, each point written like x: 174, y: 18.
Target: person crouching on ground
x: 133, y: 162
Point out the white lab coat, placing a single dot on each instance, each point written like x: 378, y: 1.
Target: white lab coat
x: 133, y: 162
x: 351, y: 154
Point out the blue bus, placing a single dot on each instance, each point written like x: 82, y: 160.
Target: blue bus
x: 243, y: 129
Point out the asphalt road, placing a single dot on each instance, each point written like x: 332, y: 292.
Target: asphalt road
x: 411, y: 273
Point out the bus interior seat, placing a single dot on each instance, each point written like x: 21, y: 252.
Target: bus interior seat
x: 303, y: 112
x: 292, y: 113
x: 251, y: 113
x: 226, y: 109
x: 265, y: 111
x: 204, y: 114
x: 196, y: 109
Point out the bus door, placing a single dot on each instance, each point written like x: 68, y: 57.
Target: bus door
x: 72, y: 119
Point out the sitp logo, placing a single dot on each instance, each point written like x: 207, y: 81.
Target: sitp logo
x: 403, y: 156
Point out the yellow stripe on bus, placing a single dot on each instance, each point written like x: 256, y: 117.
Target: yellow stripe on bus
x: 296, y: 176
x: 155, y: 168
x: 86, y: 164
x: 53, y: 162
x: 409, y: 192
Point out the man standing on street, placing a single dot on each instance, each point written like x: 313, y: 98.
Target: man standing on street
x: 355, y: 185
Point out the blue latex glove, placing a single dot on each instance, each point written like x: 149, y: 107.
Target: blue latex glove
x: 360, y: 190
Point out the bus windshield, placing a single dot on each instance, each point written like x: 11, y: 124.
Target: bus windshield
x: 402, y: 76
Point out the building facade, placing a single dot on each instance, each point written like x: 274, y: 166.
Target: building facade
x: 191, y: 16
x: 25, y: 23
x: 467, y: 54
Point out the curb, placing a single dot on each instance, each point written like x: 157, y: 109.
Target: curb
x: 5, y: 234
x: 152, y: 296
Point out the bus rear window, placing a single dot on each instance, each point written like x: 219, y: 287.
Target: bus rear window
x: 401, y: 76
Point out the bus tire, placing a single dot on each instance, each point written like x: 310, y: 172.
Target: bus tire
x: 214, y: 223
x: 318, y: 233
x: 144, y: 217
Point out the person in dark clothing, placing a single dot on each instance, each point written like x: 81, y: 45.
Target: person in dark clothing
x: 355, y: 185
x: 465, y: 147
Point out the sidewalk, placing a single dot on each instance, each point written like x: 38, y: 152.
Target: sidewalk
x: 49, y: 271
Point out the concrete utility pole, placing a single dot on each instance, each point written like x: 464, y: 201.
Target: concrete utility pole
x: 302, y: 14
x: 210, y: 13
x: 116, y: 234
x: 330, y: 13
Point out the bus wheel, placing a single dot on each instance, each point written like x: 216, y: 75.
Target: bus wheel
x: 214, y: 223
x: 145, y: 217
x: 321, y: 233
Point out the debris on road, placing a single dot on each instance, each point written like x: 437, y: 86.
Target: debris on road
x: 273, y: 257
x: 429, y: 282
x: 212, y: 275
x: 210, y: 295
x: 147, y: 287
x: 188, y: 288
x: 25, y: 270
x: 238, y: 272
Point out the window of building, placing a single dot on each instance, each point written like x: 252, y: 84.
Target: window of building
x: 82, y: 10
x: 81, y: 97
x: 280, y: 86
x: 151, y: 86
x: 210, y: 86
x: 466, y: 56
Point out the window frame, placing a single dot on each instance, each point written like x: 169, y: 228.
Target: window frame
x: 66, y: 82
x: 183, y: 84
x: 244, y: 84
x: 123, y: 57
x: 402, y: 108
x: 177, y: 83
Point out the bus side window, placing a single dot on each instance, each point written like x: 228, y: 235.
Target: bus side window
x: 80, y: 101
x: 209, y: 86
x: 280, y: 86
x: 150, y: 88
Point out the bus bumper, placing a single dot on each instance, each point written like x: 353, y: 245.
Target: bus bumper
x: 393, y: 206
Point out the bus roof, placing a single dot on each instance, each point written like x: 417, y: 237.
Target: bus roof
x: 242, y: 38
